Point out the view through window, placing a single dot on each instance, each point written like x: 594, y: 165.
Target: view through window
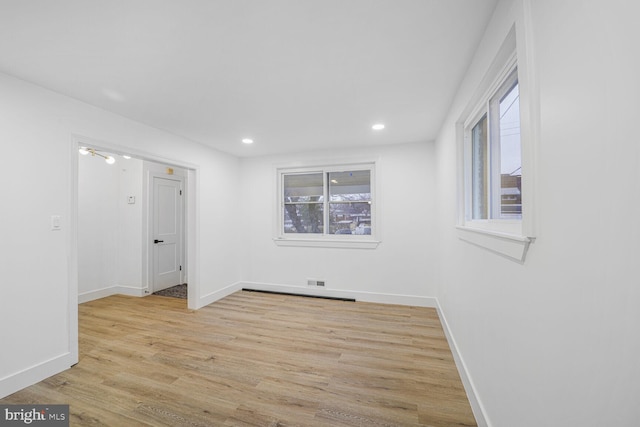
x: 496, y: 158
x: 327, y: 202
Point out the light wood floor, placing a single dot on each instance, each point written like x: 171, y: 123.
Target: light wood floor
x: 257, y: 359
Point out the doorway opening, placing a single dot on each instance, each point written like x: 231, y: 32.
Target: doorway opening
x: 133, y: 225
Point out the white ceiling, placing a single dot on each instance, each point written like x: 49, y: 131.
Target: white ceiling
x: 294, y: 75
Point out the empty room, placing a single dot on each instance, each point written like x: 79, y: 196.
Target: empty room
x: 320, y: 213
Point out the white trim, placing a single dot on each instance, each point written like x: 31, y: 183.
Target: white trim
x: 192, y: 242
x: 72, y: 248
x: 34, y: 374
x: 514, y: 247
x: 326, y: 243
x: 479, y: 411
x: 500, y: 77
x: 111, y: 290
x: 214, y: 296
x: 529, y: 116
x: 96, y: 294
x: 380, y: 298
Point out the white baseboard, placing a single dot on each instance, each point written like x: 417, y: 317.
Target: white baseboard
x: 476, y: 404
x: 96, y: 294
x: 130, y: 290
x: 16, y: 382
x: 418, y: 301
x: 110, y: 290
x: 216, y: 295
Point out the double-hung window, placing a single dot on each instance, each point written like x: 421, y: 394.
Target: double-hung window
x: 327, y: 204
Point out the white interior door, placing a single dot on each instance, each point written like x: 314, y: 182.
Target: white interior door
x: 167, y: 233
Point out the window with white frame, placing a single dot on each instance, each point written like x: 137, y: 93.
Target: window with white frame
x: 497, y: 135
x: 335, y: 202
x: 496, y: 159
x: 493, y: 157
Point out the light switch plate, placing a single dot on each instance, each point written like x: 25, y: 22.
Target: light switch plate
x: 131, y: 200
x: 55, y: 223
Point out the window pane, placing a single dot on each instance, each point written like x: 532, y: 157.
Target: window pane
x: 303, y: 217
x: 479, y: 170
x: 327, y: 202
x: 303, y: 187
x: 350, y: 186
x: 510, y: 155
x: 350, y: 218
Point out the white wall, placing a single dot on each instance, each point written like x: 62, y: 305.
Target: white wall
x: 130, y: 222
x: 98, y: 224
x: 555, y: 341
x: 110, y: 229
x: 400, y: 269
x: 36, y: 136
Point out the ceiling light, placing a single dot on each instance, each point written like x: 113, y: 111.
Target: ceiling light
x: 85, y: 150
x: 248, y: 141
x: 126, y: 157
x: 378, y: 126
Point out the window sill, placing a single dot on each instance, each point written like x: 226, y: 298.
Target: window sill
x: 511, y: 246
x: 322, y: 243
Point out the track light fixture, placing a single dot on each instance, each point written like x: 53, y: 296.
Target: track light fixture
x: 86, y: 150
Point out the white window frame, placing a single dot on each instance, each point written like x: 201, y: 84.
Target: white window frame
x: 507, y: 237
x: 326, y: 240
x: 508, y: 226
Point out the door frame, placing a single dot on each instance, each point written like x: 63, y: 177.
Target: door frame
x: 191, y: 221
x: 148, y: 218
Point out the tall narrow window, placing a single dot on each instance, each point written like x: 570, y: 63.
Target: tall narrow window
x: 495, y: 155
x: 497, y: 137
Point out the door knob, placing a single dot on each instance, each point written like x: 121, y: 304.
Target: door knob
x: 158, y: 241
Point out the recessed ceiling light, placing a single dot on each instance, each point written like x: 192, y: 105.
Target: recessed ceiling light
x: 248, y: 141
x: 126, y: 157
x: 378, y: 126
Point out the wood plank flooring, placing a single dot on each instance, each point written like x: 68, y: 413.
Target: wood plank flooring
x: 255, y: 359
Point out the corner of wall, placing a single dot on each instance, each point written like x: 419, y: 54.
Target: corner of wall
x: 477, y: 407
x: 33, y: 374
